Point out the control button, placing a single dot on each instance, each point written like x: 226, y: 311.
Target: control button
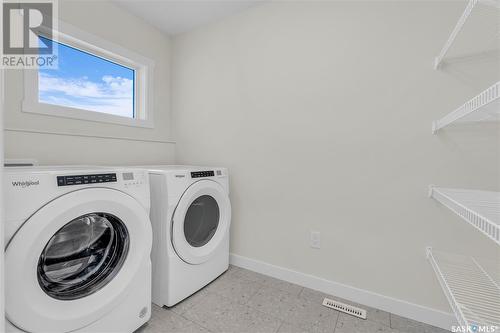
x: 61, y: 181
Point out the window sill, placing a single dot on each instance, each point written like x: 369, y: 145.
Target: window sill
x: 72, y: 113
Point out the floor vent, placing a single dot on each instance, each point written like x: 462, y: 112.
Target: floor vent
x: 349, y: 309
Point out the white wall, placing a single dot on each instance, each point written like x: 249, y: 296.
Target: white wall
x: 322, y: 112
x: 54, y: 140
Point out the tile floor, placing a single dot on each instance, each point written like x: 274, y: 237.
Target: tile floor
x: 242, y: 301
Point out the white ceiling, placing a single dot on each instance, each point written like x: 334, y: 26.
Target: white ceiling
x: 177, y: 16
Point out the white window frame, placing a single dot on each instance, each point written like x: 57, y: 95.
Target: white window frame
x: 143, y: 85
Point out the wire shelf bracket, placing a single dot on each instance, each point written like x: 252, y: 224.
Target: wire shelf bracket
x: 483, y: 107
x: 481, y: 209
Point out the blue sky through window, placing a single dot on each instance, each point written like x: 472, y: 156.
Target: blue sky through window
x: 85, y: 81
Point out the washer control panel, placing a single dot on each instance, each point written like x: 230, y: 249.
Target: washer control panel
x: 132, y: 179
x: 86, y: 179
x: 201, y: 174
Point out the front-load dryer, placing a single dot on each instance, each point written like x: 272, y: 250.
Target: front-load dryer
x: 191, y: 216
x: 77, y: 255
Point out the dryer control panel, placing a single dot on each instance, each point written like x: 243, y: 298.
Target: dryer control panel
x: 86, y: 179
x: 201, y: 174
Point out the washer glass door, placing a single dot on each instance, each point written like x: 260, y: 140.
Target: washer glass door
x: 83, y: 256
x: 75, y: 259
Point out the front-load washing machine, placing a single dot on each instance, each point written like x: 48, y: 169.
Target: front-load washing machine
x: 191, y: 216
x: 77, y: 255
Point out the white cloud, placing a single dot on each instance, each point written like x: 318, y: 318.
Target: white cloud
x: 113, y: 95
x: 119, y: 85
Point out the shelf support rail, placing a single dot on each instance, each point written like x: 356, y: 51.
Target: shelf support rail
x: 454, y: 33
x: 484, y: 98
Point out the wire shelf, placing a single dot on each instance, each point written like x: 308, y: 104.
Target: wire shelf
x: 483, y: 107
x: 454, y: 33
x: 481, y: 209
x: 473, y: 293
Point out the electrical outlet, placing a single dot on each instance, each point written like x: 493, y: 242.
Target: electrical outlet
x: 315, y: 240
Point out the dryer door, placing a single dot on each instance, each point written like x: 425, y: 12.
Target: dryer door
x: 73, y: 260
x: 201, y: 221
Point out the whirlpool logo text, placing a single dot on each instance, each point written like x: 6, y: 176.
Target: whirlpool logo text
x: 26, y: 183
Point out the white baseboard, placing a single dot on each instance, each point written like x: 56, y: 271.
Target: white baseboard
x: 398, y: 307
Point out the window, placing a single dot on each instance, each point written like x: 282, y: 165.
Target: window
x: 95, y: 80
x: 88, y: 82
